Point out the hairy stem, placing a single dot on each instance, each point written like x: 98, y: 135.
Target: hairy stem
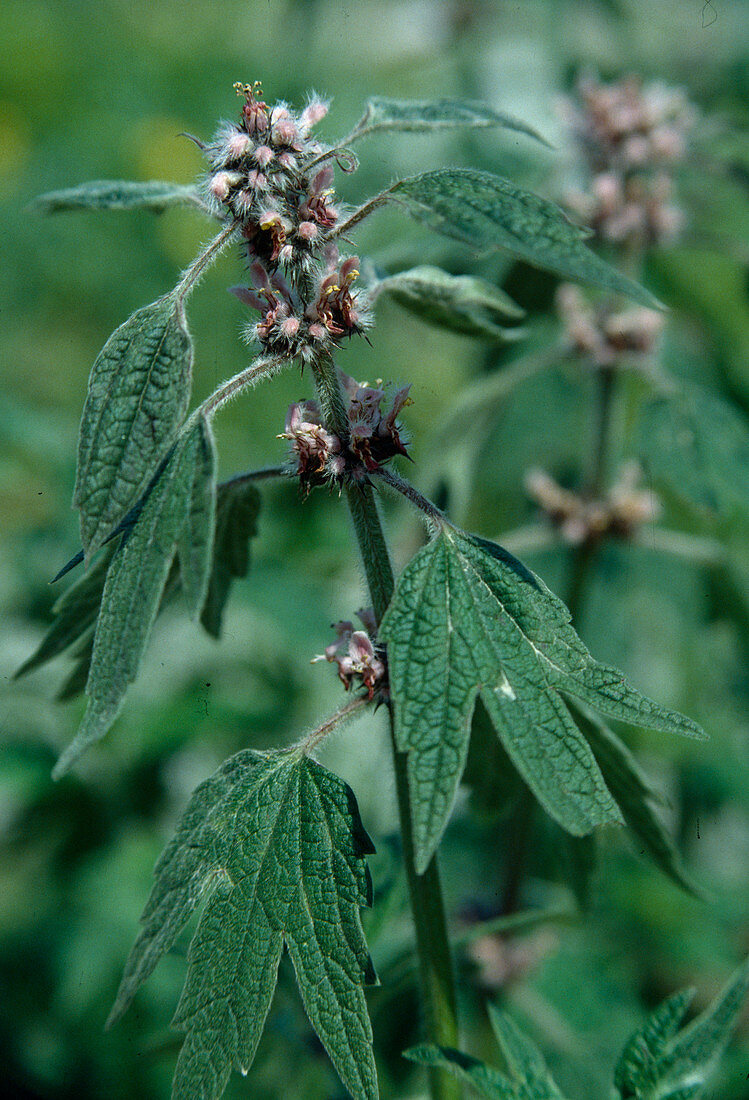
x: 261, y: 368
x: 313, y: 739
x: 411, y: 493
x: 199, y: 266
x: 435, y: 960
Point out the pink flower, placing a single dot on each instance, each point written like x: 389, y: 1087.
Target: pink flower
x: 313, y: 113
x: 237, y: 145
x: 263, y: 155
x: 374, y: 436
x: 318, y: 452
x: 254, y: 112
x: 356, y: 656
x: 222, y: 182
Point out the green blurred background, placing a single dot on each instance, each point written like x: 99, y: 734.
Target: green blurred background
x: 103, y: 89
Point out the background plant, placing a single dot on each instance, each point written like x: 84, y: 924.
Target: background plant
x: 485, y: 480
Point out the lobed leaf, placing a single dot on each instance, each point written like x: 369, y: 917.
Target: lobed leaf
x: 661, y: 1063
x: 195, y: 540
x: 691, y: 1056
x: 529, y: 1077
x: 276, y: 845
x: 75, y: 613
x: 132, y: 593
x: 697, y: 445
x: 468, y: 619
x: 460, y: 303
x: 486, y: 1080
x: 138, y: 394
x: 75, y: 681
x: 486, y: 211
x: 523, y: 1058
x: 634, y: 796
x: 636, y: 1068
x: 222, y: 558
x: 154, y: 195
x: 237, y: 510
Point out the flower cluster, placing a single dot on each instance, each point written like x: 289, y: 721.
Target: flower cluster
x: 357, y: 657
x: 275, y: 182
x: 258, y: 174
x: 318, y: 452
x: 291, y: 327
x: 579, y: 520
x: 374, y: 435
x: 632, y: 135
x: 609, y: 337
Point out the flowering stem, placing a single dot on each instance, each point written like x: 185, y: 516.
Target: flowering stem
x: 427, y: 906
x: 372, y: 546
x: 329, y: 394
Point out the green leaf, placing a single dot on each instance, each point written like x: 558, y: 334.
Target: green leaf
x: 658, y: 1063
x: 74, y: 613
x: 460, y: 303
x: 691, y: 1056
x: 206, y: 564
x: 138, y: 394
x: 487, y: 1081
x: 275, y: 845
x: 420, y: 115
x: 523, y: 1058
x: 153, y: 195
x: 467, y: 618
x: 76, y: 680
x: 237, y: 510
x: 529, y: 1078
x: 696, y: 445
x: 635, y: 797
x: 195, y: 540
x: 486, y: 211
x: 132, y: 594
x: 636, y: 1068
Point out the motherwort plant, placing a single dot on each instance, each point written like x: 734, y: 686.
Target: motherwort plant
x: 272, y: 846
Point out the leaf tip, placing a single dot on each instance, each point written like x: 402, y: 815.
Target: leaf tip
x: 64, y: 764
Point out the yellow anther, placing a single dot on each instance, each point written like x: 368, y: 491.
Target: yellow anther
x: 251, y: 91
x: 352, y: 275
x: 332, y: 289
x: 269, y: 222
